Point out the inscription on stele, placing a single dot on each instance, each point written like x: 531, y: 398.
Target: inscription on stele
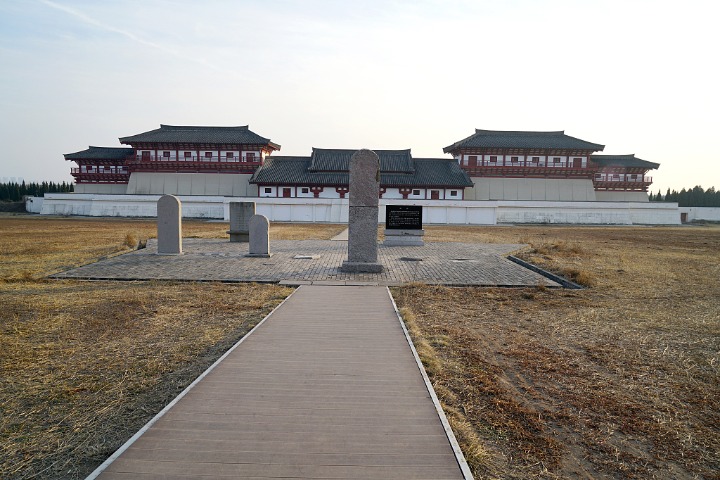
x: 403, y: 217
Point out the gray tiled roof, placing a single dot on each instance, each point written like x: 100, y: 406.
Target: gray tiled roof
x: 200, y: 135
x: 338, y: 160
x: 437, y: 172
x: 623, y: 161
x: 100, y: 153
x: 510, y: 139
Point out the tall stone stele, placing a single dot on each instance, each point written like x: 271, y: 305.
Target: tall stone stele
x: 363, y: 215
x: 169, y: 225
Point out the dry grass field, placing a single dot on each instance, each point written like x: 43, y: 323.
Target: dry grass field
x: 621, y: 380
x: 83, y: 365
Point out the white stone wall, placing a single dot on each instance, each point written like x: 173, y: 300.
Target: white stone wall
x: 335, y: 210
x: 101, y: 188
x: 546, y: 189
x: 594, y: 213
x: 621, y: 196
x: 203, y: 184
x: 34, y: 204
x: 711, y: 214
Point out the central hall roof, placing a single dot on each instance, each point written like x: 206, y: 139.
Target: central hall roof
x: 338, y: 160
x: 623, y: 161
x: 100, y: 153
x: 200, y: 135
x: 517, y: 139
x: 436, y: 172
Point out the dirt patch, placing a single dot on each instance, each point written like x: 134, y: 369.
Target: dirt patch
x: 619, y: 380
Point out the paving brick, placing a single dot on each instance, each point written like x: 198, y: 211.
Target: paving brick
x: 221, y: 260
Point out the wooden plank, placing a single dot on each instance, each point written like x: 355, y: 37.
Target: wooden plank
x: 327, y: 387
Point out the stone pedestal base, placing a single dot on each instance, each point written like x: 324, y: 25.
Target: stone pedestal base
x: 259, y: 255
x: 361, y: 267
x: 404, y: 238
x: 239, y: 236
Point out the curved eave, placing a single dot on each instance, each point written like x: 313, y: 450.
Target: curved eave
x: 582, y: 144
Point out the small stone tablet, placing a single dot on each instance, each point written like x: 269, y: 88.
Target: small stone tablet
x: 169, y: 225
x: 259, y: 237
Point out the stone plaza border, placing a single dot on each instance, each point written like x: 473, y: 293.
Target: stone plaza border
x: 453, y: 264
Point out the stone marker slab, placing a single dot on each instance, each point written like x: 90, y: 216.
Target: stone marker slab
x: 259, y: 237
x: 363, y: 213
x: 404, y: 238
x: 169, y: 225
x: 240, y: 214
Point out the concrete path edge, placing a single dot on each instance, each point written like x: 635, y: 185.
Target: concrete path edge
x: 464, y: 467
x: 95, y: 473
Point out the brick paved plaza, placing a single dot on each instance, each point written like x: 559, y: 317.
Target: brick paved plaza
x: 317, y: 262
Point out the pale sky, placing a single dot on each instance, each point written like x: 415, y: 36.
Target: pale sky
x: 639, y: 76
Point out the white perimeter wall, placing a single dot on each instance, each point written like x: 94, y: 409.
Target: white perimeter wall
x: 702, y: 213
x: 336, y: 210
x: 33, y: 204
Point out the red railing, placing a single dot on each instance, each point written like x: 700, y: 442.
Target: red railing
x: 100, y: 177
x: 194, y: 167
x: 529, y: 170
x: 194, y: 159
x: 636, y: 185
x: 623, y: 178
x: 122, y: 170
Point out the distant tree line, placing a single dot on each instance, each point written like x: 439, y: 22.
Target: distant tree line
x: 14, y: 192
x: 694, y: 197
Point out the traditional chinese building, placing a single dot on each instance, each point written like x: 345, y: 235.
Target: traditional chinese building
x: 621, y: 176
x: 514, y: 165
x: 234, y: 161
x: 101, y: 169
x: 184, y: 160
x: 325, y: 174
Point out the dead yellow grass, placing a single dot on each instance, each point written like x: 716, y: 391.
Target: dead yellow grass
x: 620, y: 380
x: 83, y: 365
x: 305, y: 231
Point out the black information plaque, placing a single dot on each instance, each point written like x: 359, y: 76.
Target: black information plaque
x: 403, y: 217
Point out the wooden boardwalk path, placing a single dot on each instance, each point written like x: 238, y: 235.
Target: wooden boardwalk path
x: 327, y: 387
